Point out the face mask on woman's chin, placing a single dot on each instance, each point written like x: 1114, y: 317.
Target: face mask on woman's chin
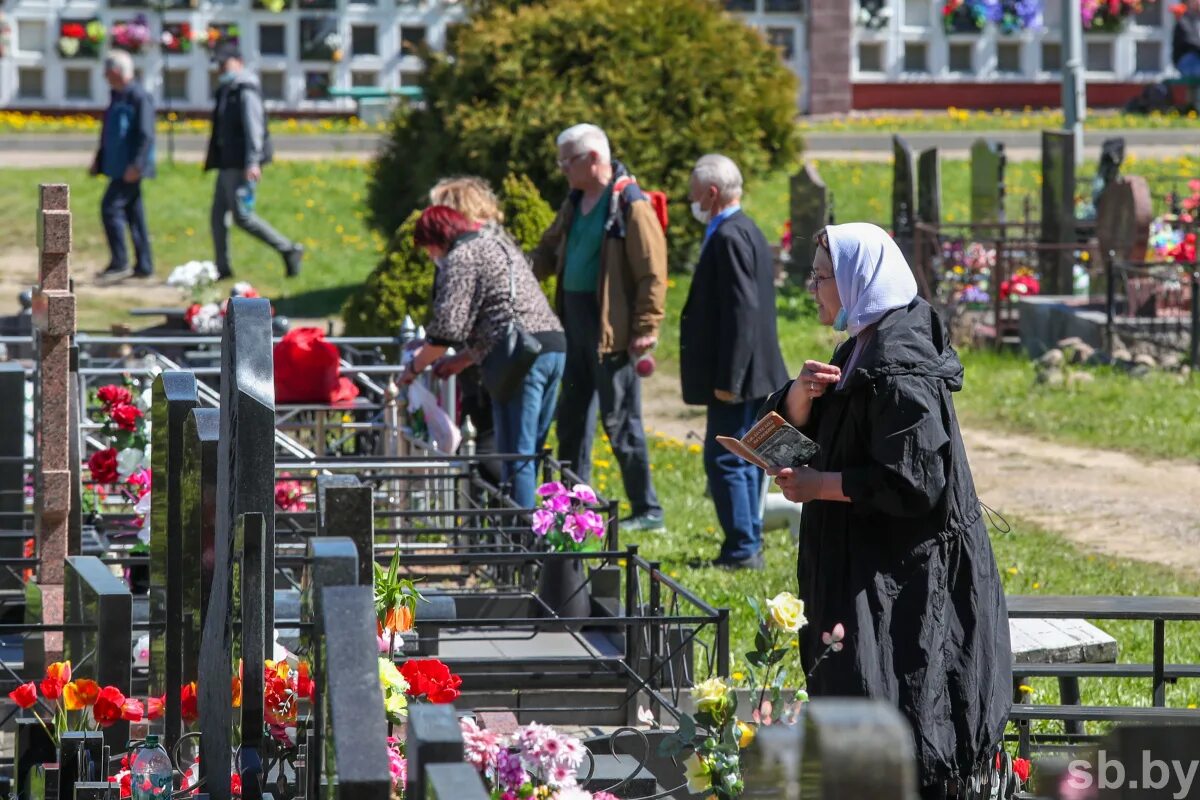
x: 841, y: 321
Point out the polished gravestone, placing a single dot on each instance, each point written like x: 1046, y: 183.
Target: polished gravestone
x: 809, y: 214
x: 904, y: 194
x: 929, y: 187
x: 198, y: 499
x: 99, y: 639
x: 987, y: 182
x: 1058, y: 212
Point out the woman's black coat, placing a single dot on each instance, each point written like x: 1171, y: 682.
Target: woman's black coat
x: 906, y: 565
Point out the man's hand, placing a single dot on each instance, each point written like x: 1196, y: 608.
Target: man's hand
x: 253, y: 174
x: 446, y: 366
x: 724, y: 396
x: 641, y: 344
x: 132, y: 174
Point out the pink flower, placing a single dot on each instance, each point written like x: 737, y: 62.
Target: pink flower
x: 584, y: 494
x: 543, y: 521
x: 551, y: 489
x: 559, y: 503
x: 582, y: 523
x: 140, y: 480
x: 836, y: 635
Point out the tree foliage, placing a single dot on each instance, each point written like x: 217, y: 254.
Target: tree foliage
x: 669, y: 80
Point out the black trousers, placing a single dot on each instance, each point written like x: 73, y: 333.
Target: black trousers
x: 121, y: 208
x: 610, y: 384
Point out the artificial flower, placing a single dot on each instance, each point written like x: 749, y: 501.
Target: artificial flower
x: 114, y: 395
x: 432, y: 679
x: 103, y: 465
x: 710, y: 695
x: 126, y: 416
x: 698, y: 779
x: 745, y: 734
x: 786, y: 612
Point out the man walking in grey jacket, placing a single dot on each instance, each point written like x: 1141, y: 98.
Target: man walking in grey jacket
x: 239, y: 148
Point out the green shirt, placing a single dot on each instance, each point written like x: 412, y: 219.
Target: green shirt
x: 581, y: 272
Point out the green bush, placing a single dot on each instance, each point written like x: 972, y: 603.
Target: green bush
x: 402, y: 283
x: 669, y: 80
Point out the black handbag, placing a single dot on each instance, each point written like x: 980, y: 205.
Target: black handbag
x: 510, y: 359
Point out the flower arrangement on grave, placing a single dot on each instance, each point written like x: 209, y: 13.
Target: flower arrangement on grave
x: 76, y: 703
x: 177, y: 38
x: 873, y: 15
x: 289, y: 494
x: 966, y: 279
x: 963, y: 16
x: 534, y: 762
x: 1010, y: 16
x: 1022, y: 284
x: 1109, y: 16
x: 565, y: 520
x: 396, y: 601
x: 714, y: 737
x: 133, y: 36
x: 80, y: 38
x: 197, y: 281
x: 120, y: 472
x: 397, y: 766
x: 218, y: 33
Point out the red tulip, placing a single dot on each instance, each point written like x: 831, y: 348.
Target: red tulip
x: 189, y: 709
x: 1021, y: 768
x: 132, y: 710
x: 58, y: 675
x: 155, y: 706
x: 25, y: 695
x: 109, y: 706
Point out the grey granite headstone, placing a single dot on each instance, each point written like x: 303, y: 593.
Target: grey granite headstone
x: 98, y: 607
x: 345, y: 508
x: 856, y: 748
x: 198, y: 498
x: 433, y: 738
x: 987, y: 182
x: 929, y: 187
x: 904, y: 194
x: 1058, y: 211
x: 245, y: 484
x: 173, y: 396
x: 810, y: 213
x: 355, y: 725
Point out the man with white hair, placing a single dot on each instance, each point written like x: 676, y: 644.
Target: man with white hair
x: 729, y: 357
x: 609, y: 251
x: 125, y: 156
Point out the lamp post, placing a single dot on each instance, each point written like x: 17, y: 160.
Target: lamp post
x: 1074, y: 92
x: 160, y: 6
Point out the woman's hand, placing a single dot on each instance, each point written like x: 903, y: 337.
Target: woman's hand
x: 805, y: 484
x: 446, y: 366
x: 817, y: 378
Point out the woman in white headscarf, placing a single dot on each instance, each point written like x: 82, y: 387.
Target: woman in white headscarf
x: 893, y: 541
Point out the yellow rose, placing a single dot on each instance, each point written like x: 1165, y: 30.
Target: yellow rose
x: 698, y: 779
x: 786, y: 612
x: 710, y: 695
x: 745, y: 735
x: 396, y: 705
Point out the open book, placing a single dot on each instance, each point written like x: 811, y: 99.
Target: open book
x: 772, y: 444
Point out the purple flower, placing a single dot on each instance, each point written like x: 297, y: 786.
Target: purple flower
x: 559, y: 503
x: 592, y: 522
x: 576, y: 528
x: 551, y: 489
x: 509, y: 770
x: 543, y: 521
x: 584, y: 494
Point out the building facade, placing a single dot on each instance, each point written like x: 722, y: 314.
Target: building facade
x: 849, y: 54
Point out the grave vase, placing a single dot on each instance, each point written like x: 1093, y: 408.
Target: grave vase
x: 563, y: 588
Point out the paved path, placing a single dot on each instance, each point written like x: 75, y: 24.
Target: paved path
x: 72, y: 149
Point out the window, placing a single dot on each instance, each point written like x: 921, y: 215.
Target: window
x: 363, y: 41
x: 363, y: 79
x: 79, y: 84
x: 175, y: 84
x: 273, y: 82
x: 916, y: 57
x: 784, y: 6
x: 1148, y: 56
x: 272, y: 40
x: 411, y: 38
x: 31, y: 35
x: 1051, y: 57
x: 213, y: 83
x: 783, y: 40
x: 739, y: 5
x: 1008, y: 58
x: 316, y: 85
x: 917, y: 13
x: 1099, y: 56
x: 1151, y: 15
x: 870, y: 57
x: 320, y: 39
x: 31, y: 83
x: 962, y: 57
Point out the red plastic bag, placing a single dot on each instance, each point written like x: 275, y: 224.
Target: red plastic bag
x: 307, y: 370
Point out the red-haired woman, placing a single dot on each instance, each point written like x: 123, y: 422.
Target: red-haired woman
x: 483, y: 284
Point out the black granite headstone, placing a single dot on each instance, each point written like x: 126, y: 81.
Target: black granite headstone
x: 173, y: 396
x: 12, y: 469
x: 1058, y: 212
x: 99, y: 610
x: 74, y: 453
x: 433, y: 738
x: 245, y: 484
x: 355, y: 725
x: 929, y: 187
x: 987, y: 182
x: 81, y: 758
x: 904, y: 194
x: 249, y: 602
x: 810, y: 213
x: 33, y: 747
x: 345, y: 508
x: 198, y: 499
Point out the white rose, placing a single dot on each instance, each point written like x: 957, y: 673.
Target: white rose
x: 786, y: 612
x: 129, y: 461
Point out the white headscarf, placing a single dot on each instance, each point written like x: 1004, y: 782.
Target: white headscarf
x: 871, y: 273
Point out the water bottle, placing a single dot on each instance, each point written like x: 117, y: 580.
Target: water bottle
x: 151, y: 772
x: 245, y: 197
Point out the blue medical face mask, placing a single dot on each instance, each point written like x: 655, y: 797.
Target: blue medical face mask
x: 841, y: 321
x: 226, y: 77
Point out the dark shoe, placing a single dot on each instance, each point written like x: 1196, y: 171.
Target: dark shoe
x: 292, y: 260
x: 142, y: 276
x: 752, y: 562
x: 113, y: 275
x: 223, y: 273
x: 648, y: 521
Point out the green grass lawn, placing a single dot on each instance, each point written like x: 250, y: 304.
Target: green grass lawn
x: 956, y: 119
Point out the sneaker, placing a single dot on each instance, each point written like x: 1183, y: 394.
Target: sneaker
x: 113, y: 274
x: 754, y: 562
x: 648, y: 521
x: 292, y: 260
x: 142, y: 276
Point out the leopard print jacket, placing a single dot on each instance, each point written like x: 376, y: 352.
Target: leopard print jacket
x: 471, y: 305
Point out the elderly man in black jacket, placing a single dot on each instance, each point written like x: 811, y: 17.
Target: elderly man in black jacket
x: 729, y: 349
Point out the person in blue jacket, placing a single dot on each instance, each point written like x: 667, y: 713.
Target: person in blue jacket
x: 125, y: 157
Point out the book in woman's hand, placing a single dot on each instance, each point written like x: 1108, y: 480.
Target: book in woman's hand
x: 772, y: 444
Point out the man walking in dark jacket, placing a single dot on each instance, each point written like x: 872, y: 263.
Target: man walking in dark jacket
x: 126, y: 155
x: 239, y: 148
x: 729, y: 349
x: 1185, y: 43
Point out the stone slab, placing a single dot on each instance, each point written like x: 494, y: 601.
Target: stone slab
x: 1060, y: 641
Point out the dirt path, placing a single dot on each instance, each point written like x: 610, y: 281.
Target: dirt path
x: 1108, y: 502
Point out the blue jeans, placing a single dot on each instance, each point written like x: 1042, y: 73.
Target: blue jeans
x: 1189, y: 65
x: 121, y: 207
x: 523, y: 422
x: 736, y: 485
